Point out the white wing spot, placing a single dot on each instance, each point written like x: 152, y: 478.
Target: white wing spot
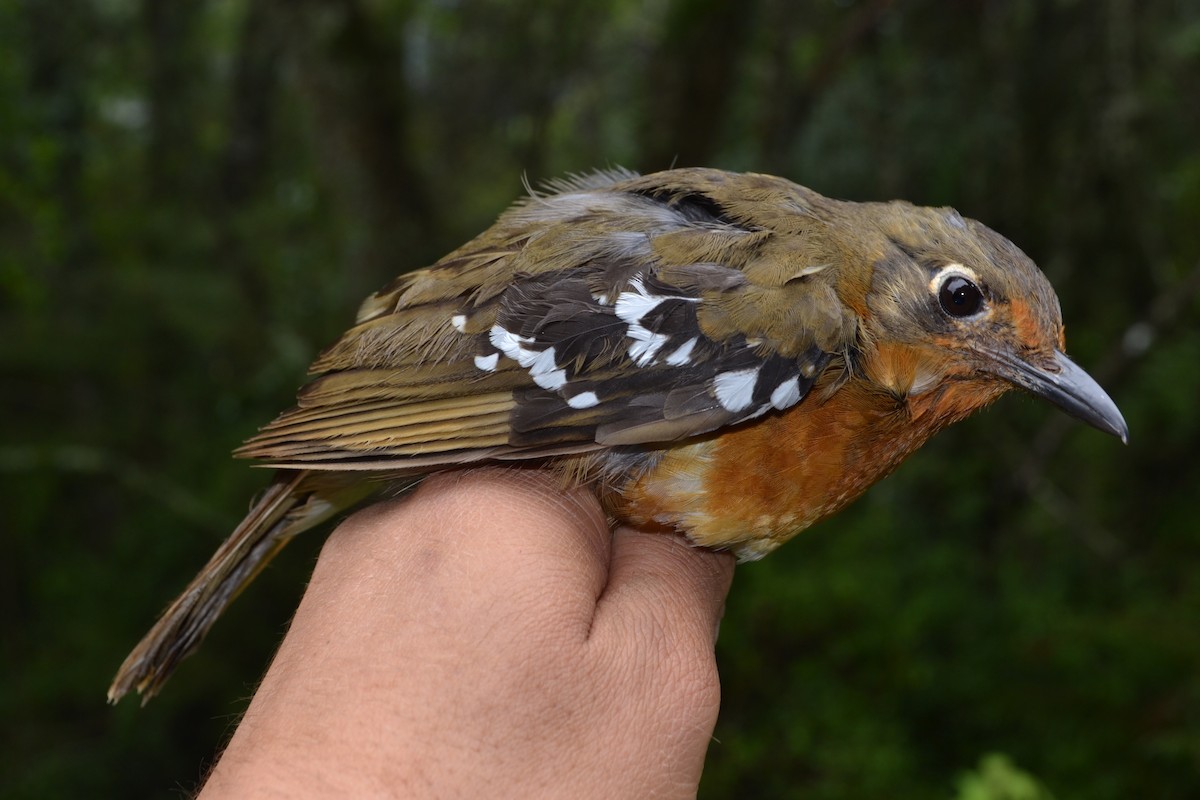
x: 680, y: 355
x: 735, y: 390
x: 630, y: 307
x: 786, y: 394
x: 510, y: 344
x: 459, y: 321
x: 553, y: 380
x: 543, y: 362
x: 543, y: 370
x: 646, y: 344
x: 583, y: 400
x: 507, y: 342
x: 487, y: 363
x: 633, y: 305
x: 540, y: 363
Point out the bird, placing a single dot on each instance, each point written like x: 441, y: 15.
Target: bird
x: 727, y: 356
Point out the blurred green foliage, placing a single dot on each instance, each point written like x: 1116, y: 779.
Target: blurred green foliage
x: 997, y: 778
x: 194, y: 196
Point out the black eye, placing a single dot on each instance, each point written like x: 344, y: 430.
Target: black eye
x: 959, y: 297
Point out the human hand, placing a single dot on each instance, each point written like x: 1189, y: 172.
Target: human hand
x: 488, y: 636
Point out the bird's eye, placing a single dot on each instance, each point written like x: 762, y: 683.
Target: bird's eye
x: 959, y: 297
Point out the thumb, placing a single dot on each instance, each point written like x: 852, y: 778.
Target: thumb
x: 667, y: 583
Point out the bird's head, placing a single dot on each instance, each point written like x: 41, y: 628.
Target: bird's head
x: 957, y: 315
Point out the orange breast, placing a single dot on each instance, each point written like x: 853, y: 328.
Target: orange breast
x: 753, y: 487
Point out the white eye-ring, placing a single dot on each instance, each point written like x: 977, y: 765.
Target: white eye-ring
x: 935, y: 283
x: 957, y: 290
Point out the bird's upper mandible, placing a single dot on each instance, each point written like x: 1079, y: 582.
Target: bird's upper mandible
x: 729, y: 356
x: 619, y: 320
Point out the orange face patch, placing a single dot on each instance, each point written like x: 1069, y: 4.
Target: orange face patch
x: 1025, y: 323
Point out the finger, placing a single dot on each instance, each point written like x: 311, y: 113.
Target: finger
x: 659, y: 580
x: 494, y: 531
x: 523, y: 522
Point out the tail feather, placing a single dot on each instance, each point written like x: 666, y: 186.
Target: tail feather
x: 294, y: 502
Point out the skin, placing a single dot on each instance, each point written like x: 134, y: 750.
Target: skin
x: 530, y: 343
x: 489, y: 636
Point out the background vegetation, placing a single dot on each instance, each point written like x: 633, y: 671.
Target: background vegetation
x: 195, y: 195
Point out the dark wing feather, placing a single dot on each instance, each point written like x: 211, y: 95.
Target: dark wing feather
x: 607, y: 315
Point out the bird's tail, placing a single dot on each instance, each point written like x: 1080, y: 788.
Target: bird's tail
x: 294, y: 502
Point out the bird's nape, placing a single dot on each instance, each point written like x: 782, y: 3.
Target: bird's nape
x: 729, y: 356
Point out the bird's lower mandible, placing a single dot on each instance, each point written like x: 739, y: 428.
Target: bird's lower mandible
x: 728, y: 356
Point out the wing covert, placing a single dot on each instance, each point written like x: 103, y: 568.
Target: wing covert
x: 651, y: 321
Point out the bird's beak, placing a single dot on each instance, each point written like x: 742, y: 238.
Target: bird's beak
x: 1068, y: 387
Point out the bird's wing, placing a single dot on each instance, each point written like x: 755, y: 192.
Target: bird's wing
x: 605, y: 315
